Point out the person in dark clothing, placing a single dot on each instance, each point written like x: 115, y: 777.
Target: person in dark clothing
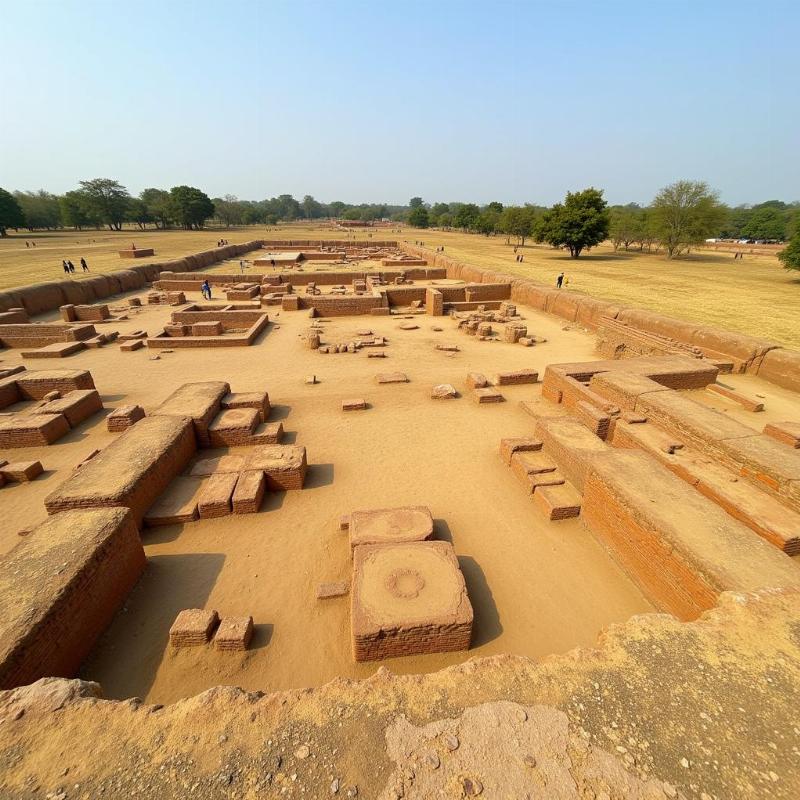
x: 65, y: 265
x: 559, y: 281
x: 71, y: 266
x: 84, y: 265
x: 206, y: 290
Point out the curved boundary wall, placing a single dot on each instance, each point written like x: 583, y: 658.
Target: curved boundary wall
x: 750, y: 354
x: 37, y: 298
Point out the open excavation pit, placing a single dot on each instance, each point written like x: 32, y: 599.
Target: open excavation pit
x: 611, y: 483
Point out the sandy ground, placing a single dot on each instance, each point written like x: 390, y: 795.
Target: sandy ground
x: 537, y: 587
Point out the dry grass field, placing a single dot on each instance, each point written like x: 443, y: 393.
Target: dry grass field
x: 754, y: 295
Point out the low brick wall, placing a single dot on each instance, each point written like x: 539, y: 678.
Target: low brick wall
x: 680, y: 548
x: 132, y: 471
x: 341, y: 305
x: 60, y: 588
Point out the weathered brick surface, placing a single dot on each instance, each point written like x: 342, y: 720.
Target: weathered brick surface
x: 785, y: 432
x: 390, y: 525
x: 59, y: 589
x: 32, y: 430
x: 193, y: 627
x: 257, y: 400
x: 517, y: 377
x: 249, y: 492
x: 175, y: 506
x: 408, y: 599
x: 201, y: 402
x: 233, y: 426
x: 571, y: 446
x: 284, y: 465
x: 760, y: 511
x: 679, y: 547
x: 21, y: 471
x: 122, y: 418
x: 132, y: 471
x: 214, y: 498
x: 77, y: 406
x: 233, y: 634
x: 557, y: 502
x: 518, y: 444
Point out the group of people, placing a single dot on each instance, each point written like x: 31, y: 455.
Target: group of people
x: 520, y: 258
x: 69, y: 267
x: 205, y: 289
x: 30, y: 244
x: 738, y: 255
x: 222, y: 242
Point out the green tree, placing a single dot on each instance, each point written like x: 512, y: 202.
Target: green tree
x: 466, y: 217
x: 494, y: 206
x: 415, y: 202
x: 158, y: 206
x: 517, y: 221
x: 11, y: 215
x: 579, y: 223
x: 767, y: 221
x: 107, y: 200
x: 40, y: 208
x: 685, y: 213
x: 790, y: 255
x: 418, y: 218
x: 139, y: 213
x: 625, y: 225
x: 74, y: 211
x: 336, y: 208
x: 229, y: 210
x: 189, y: 206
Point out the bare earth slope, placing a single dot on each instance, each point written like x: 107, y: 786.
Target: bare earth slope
x: 660, y: 710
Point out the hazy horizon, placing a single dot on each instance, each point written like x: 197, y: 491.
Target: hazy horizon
x: 517, y: 102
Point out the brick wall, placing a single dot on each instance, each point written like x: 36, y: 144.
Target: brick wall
x: 91, y: 560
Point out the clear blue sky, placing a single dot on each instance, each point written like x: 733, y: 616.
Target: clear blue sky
x: 474, y: 101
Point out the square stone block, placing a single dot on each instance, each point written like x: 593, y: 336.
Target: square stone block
x: 234, y: 633
x: 192, y: 627
x: 487, y: 395
x: 390, y: 525
x: 354, y: 404
x: 408, y: 599
x: 392, y: 377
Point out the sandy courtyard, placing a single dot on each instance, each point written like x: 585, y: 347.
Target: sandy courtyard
x: 537, y: 587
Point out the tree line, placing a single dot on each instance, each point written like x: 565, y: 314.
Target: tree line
x: 681, y: 216
x: 106, y: 202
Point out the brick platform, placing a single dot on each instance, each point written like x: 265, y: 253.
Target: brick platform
x: 32, y: 430
x: 201, y: 402
x: 392, y: 377
x: 120, y: 419
x: 208, y: 466
x: 284, y: 465
x: 21, y: 471
x: 76, y: 406
x: 408, y: 599
x: 514, y: 378
x: 390, y: 525
x: 354, y: 404
x: 680, y: 548
x: 257, y: 400
x: 214, y: 499
x: 249, y: 492
x: 60, y: 587
x: 233, y: 426
x: 132, y: 471
x: 177, y: 505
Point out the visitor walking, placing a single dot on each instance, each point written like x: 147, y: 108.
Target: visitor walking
x: 71, y: 266
x: 65, y: 265
x: 84, y: 265
x: 241, y: 266
x: 206, y: 289
x: 559, y: 281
